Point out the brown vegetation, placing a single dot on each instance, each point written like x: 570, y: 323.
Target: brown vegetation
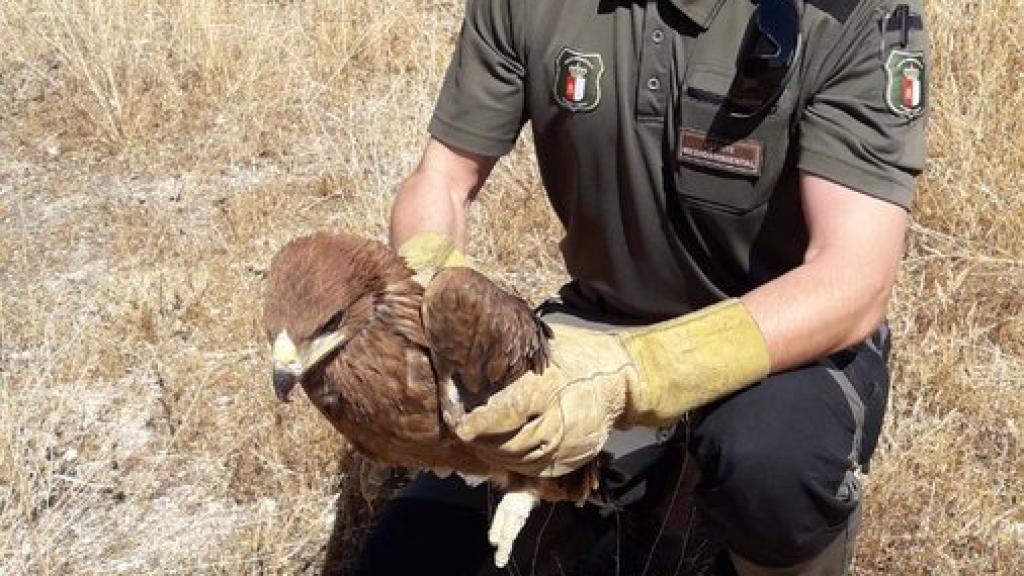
x: 153, y: 155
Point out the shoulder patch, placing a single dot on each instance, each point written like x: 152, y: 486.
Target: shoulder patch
x: 838, y: 9
x: 906, y: 83
x: 578, y: 80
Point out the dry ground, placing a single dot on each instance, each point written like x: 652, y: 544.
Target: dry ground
x: 153, y: 155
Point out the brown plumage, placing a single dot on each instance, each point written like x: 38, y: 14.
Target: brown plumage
x: 480, y: 338
x: 382, y: 360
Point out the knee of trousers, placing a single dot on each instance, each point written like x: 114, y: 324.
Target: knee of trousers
x: 777, y: 460
x: 774, y: 508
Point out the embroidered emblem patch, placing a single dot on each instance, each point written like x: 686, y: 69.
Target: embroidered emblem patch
x: 578, y: 80
x: 906, y: 83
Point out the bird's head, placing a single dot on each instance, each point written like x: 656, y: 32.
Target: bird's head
x: 320, y: 293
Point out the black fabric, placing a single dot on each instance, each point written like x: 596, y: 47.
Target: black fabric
x: 774, y: 456
x: 416, y: 536
x: 438, y: 526
x: 771, y: 462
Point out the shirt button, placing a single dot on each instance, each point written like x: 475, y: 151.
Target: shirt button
x: 653, y: 83
x: 657, y: 36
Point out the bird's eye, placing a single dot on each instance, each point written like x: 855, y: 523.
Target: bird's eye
x: 334, y: 323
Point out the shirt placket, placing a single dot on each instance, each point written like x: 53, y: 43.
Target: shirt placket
x: 655, y: 56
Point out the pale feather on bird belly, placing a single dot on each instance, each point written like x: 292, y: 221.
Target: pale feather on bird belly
x: 472, y: 480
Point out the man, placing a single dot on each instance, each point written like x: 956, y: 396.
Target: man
x: 734, y: 179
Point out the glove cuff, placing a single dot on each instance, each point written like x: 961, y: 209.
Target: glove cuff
x: 427, y: 252
x: 691, y: 361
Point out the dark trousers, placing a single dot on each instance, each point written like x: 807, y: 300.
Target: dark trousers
x: 773, y: 479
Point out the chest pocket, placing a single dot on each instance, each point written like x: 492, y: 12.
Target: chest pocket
x: 726, y: 163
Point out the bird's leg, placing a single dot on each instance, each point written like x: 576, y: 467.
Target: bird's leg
x: 509, y: 518
x: 448, y: 398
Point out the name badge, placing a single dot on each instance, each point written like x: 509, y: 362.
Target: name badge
x: 744, y: 157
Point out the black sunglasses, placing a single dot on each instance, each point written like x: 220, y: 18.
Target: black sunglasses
x: 770, y: 45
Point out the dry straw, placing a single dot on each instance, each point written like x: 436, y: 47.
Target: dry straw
x: 153, y: 155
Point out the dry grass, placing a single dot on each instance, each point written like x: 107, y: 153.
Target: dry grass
x: 153, y: 155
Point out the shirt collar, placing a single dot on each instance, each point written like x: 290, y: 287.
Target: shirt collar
x: 702, y: 12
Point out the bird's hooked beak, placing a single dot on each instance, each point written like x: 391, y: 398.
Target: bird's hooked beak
x: 291, y: 363
x: 287, y: 366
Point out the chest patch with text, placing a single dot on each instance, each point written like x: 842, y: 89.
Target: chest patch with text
x: 744, y: 157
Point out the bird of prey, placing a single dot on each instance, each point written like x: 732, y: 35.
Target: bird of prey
x: 391, y: 364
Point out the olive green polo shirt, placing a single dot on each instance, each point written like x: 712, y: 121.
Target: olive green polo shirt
x: 669, y: 203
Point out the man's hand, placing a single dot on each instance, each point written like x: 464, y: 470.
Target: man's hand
x: 551, y: 424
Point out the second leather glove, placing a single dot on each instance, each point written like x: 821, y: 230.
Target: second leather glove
x: 551, y: 424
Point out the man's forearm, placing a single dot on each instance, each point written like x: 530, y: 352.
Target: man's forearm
x: 423, y: 203
x: 437, y: 195
x: 839, y: 295
x: 815, y: 310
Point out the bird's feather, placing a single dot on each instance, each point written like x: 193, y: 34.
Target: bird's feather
x: 480, y: 335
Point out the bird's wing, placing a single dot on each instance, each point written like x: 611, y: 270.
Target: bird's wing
x: 484, y: 335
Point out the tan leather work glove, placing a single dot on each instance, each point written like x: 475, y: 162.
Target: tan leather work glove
x: 552, y: 424
x: 428, y: 252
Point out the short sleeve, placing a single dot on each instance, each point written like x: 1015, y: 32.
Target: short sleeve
x: 481, y: 105
x: 864, y: 120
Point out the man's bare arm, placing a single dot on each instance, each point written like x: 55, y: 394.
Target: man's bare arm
x: 437, y: 195
x: 840, y: 294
